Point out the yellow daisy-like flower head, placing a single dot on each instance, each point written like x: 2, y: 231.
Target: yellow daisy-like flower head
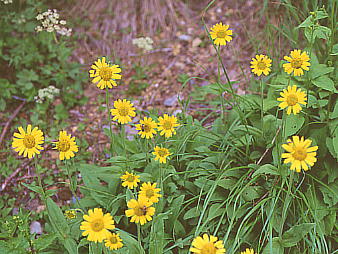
x: 146, y: 128
x: 207, y: 245
x: 297, y: 62
x: 220, y: 34
x: 123, y: 111
x: 130, y: 180
x: 167, y: 125
x: 66, y: 145
x: 161, y: 154
x: 299, y: 153
x: 70, y: 214
x: 113, y: 241
x: 140, y: 210
x: 261, y: 64
x: 150, y: 191
x: 292, y: 98
x: 248, y: 251
x: 28, y: 142
x: 104, y: 74
x: 96, y: 225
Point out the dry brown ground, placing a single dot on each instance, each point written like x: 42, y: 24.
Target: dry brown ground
x: 181, y: 46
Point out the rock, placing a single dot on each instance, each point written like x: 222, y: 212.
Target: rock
x: 36, y: 228
x: 196, y: 42
x: 184, y: 37
x: 171, y: 101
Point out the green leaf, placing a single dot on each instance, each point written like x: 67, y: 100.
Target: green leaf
x: 34, y: 188
x: 70, y: 245
x: 334, y: 50
x: 318, y: 70
x: 325, y: 83
x: 293, y: 123
x: 131, y: 243
x: 251, y: 192
x: 274, y: 247
x: 57, y: 219
x: 266, y: 169
x: 334, y: 113
x: 295, y: 234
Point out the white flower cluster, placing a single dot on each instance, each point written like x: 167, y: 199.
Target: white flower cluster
x: 7, y: 1
x: 46, y: 93
x: 145, y: 43
x: 50, y: 22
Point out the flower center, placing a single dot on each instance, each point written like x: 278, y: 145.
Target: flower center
x: 162, y: 152
x: 299, y: 153
x: 167, y: 125
x: 221, y: 34
x: 105, y: 73
x: 97, y: 225
x: 150, y: 193
x: 292, y: 99
x: 123, y: 111
x: 208, y: 248
x: 140, y: 211
x: 296, y: 63
x: 261, y: 65
x: 146, y: 127
x: 130, y: 178
x: 29, y: 141
x: 63, y: 145
x: 114, y: 240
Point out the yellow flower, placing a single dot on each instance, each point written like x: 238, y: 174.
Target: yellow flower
x: 140, y: 210
x: 130, y: 180
x: 96, y: 225
x: 28, y: 143
x: 149, y: 191
x: 146, y: 128
x: 113, y: 241
x: 104, y: 74
x: 261, y: 64
x: 167, y: 125
x: 66, y: 145
x: 292, y: 98
x: 299, y: 153
x: 220, y: 34
x: 70, y: 214
x: 248, y: 251
x: 161, y: 154
x: 207, y: 245
x: 298, y: 62
x: 122, y: 111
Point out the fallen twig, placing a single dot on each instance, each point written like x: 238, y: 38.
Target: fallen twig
x: 10, y: 120
x: 8, y: 179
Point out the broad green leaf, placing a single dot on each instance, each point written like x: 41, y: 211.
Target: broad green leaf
x: 266, y: 169
x: 334, y: 113
x: 70, y: 245
x: 325, y: 83
x: 273, y: 247
x: 57, y: 219
x: 251, y: 192
x: 334, y: 50
x: 318, y: 70
x: 293, y: 124
x: 295, y: 234
x: 131, y: 243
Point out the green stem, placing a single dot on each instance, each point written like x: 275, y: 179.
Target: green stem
x: 71, y: 185
x: 110, y: 122
x: 262, y: 104
x: 139, y: 234
x: 55, y: 38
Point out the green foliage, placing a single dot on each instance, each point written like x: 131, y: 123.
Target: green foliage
x: 31, y: 61
x: 225, y: 176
